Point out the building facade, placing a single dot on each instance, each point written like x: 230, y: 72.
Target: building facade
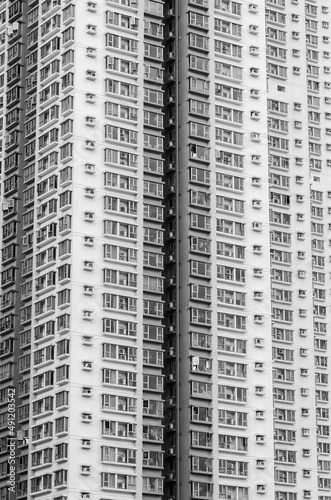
x: 165, y: 293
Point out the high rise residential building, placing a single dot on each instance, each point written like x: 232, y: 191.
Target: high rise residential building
x: 166, y: 226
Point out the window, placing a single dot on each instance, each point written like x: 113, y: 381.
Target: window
x: 153, y: 236
x: 153, y: 165
x: 153, y: 308
x: 230, y: 204
x: 199, y: 63
x: 199, y: 130
x: 232, y: 345
x: 201, y: 153
x: 118, y: 377
x: 230, y: 297
x: 153, y: 142
x: 119, y: 302
x: 121, y: 278
x: 200, y: 222
x: 120, y: 134
x: 231, y: 467
x: 200, y: 176
x: 277, y: 52
x: 228, y: 49
x: 118, y: 481
x: 197, y: 20
x: 277, y: 70
x: 152, y: 284
x: 227, y: 27
x: 227, y: 442
x: 284, y: 395
x: 229, y: 114
x: 230, y: 369
x: 230, y: 227
x: 114, y: 351
x: 199, y: 268
x: 121, y: 66
x: 231, y: 160
x: 285, y: 435
x: 230, y: 7
x: 200, y: 316
x: 120, y: 181
x: 120, y: 253
x: 153, y: 383
x: 153, y: 96
x: 199, y: 245
x: 230, y: 250
x: 118, y: 327
x: 201, y: 414
x: 228, y: 136
x: 281, y: 256
x: 282, y: 315
x: 120, y: 42
x: 231, y: 321
x: 228, y: 71
x: 120, y: 205
x: 120, y: 229
x: 199, y: 85
x: 62, y: 373
x: 153, y: 333
x: 231, y: 274
x: 280, y: 274
x: 152, y: 259
x: 201, y: 439
x: 120, y: 157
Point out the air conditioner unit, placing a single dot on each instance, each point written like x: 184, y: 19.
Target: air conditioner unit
x: 253, y: 8
x: 261, y: 488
